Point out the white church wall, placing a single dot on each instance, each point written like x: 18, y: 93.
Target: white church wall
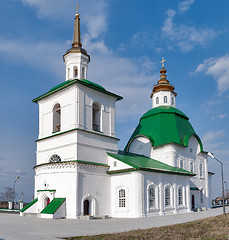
x: 63, y: 145
x: 116, y: 164
x: 131, y: 182
x: 106, y: 103
x: 94, y: 147
x: 68, y: 106
x: 141, y: 145
x: 60, y: 177
x: 160, y: 181
x: 165, y: 154
x: 94, y: 186
x: 160, y: 95
x: 78, y: 60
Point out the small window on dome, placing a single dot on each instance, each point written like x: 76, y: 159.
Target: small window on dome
x: 75, y: 72
x: 165, y: 99
x: 157, y: 100
x: 172, y: 100
x: 83, y: 72
x: 68, y: 73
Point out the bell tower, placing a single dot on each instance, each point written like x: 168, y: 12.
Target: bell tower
x: 76, y: 59
x: 163, y: 92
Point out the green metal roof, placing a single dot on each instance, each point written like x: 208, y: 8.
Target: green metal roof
x: 84, y: 82
x: 140, y: 162
x: 164, y: 125
x: 52, y: 207
x: 29, y: 205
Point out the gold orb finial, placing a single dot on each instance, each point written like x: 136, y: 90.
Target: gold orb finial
x: 77, y: 8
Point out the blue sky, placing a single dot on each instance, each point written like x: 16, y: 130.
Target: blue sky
x: 126, y: 41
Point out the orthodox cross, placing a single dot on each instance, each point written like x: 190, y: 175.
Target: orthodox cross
x: 77, y: 7
x: 163, y: 62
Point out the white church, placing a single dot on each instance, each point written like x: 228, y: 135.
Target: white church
x: 81, y: 173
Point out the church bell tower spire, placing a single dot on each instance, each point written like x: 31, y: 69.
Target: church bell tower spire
x: 76, y: 59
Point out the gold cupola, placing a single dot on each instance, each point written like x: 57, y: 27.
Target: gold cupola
x: 163, y: 93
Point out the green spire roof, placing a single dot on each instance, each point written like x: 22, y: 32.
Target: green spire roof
x: 84, y: 82
x: 164, y: 125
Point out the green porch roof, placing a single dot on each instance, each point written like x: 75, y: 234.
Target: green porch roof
x: 163, y: 125
x: 29, y: 205
x: 143, y: 163
x: 52, y: 207
x: 84, y: 82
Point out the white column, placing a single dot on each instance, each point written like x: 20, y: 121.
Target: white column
x: 188, y: 196
x: 161, y: 196
x: 175, y: 195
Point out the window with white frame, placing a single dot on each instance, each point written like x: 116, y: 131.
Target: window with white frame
x: 172, y: 101
x: 181, y: 164
x: 167, y: 196
x: 191, y: 167
x: 180, y: 196
x: 56, y: 118
x: 165, y: 99
x: 201, y: 196
x: 157, y: 100
x: 96, y: 117
x: 122, y: 198
x: 75, y: 72
x: 201, y: 170
x: 152, y: 200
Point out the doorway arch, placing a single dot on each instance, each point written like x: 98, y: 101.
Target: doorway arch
x: 46, y: 201
x: 193, y: 202
x: 86, y: 207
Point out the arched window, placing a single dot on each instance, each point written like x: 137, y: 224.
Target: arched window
x: 191, y: 167
x: 56, y: 118
x: 122, y: 198
x: 83, y: 73
x: 75, y: 72
x: 181, y: 164
x: 157, y: 100
x: 167, y: 196
x: 68, y: 73
x: 54, y: 158
x: 96, y: 117
x: 165, y: 99
x: 152, y: 202
x: 201, y: 170
x: 201, y: 196
x: 172, y: 100
x: 180, y: 196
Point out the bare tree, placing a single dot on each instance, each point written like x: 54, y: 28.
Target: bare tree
x: 7, y: 195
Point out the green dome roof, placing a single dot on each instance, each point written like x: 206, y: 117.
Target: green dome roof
x: 164, y: 125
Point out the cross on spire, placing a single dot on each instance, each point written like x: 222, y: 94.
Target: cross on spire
x: 77, y: 7
x: 163, y: 62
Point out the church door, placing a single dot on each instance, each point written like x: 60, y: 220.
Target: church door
x: 193, y: 201
x: 86, y: 207
x: 47, y: 201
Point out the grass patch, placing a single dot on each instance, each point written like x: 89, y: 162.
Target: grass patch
x: 214, y: 228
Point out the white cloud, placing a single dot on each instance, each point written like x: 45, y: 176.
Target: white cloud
x: 43, y: 55
x: 212, y: 136
x: 218, y: 68
x: 183, y: 36
x: 94, y: 14
x: 185, y: 5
